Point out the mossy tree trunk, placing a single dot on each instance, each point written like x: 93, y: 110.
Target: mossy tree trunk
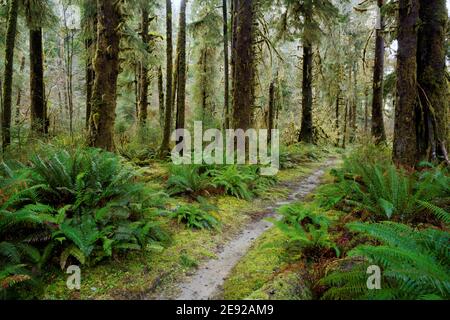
x: 181, y: 71
x: 143, y: 71
x: 405, y: 152
x: 161, y: 96
x: 165, y: 145
x: 11, y: 32
x: 90, y: 44
x: 306, y: 131
x: 432, y: 110
x: 244, y: 64
x: 106, y: 68
x: 226, y: 66
x: 181, y: 87
x: 272, y: 110
x: 39, y: 125
x: 378, y: 131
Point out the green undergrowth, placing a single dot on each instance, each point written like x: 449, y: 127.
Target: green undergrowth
x: 154, y: 272
x: 259, y: 274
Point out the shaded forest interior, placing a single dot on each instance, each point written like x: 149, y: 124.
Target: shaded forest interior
x: 92, y: 90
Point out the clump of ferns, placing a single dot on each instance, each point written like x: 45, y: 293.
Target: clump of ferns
x: 388, y: 193
x: 414, y: 264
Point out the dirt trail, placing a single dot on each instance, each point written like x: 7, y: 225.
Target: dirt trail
x: 207, y: 281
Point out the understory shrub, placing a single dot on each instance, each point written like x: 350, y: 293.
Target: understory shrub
x: 308, y: 227
x: 414, y: 264
x: 240, y: 181
x: 197, y: 216
x: 86, y: 205
x: 387, y: 192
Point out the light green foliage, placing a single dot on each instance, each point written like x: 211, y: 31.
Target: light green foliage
x: 243, y: 182
x: 196, y: 217
x: 386, y: 191
x: 414, y: 264
x: 85, y: 205
x: 307, y: 226
x: 187, y: 179
x: 233, y: 181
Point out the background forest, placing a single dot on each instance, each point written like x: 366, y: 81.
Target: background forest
x: 91, y: 90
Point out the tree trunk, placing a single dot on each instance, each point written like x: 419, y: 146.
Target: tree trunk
x: 8, y: 75
x: 161, y: 96
x: 272, y: 110
x: 432, y: 120
x: 366, y: 111
x: 354, y: 118
x: 404, y: 152
x: 338, y: 97
x: 226, y: 66
x: 306, y: 132
x: 106, y: 68
x: 143, y: 72
x: 181, y: 87
x: 165, y: 147
x: 90, y: 74
x: 378, y: 132
x: 38, y: 110
x: 244, y: 64
x: 19, y: 93
x: 344, y: 138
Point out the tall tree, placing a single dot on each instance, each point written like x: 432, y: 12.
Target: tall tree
x: 244, y: 63
x: 181, y: 69
x: 39, y: 14
x: 8, y: 76
x: 432, y: 113
x: 38, y: 106
x: 106, y: 68
x: 305, y: 18
x: 306, y: 131
x: 161, y: 96
x: 226, y: 66
x: 378, y: 131
x: 165, y: 145
x: 90, y: 30
x: 143, y: 69
x: 405, y: 150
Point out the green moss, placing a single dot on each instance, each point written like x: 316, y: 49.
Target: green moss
x: 263, y: 260
x: 285, y: 286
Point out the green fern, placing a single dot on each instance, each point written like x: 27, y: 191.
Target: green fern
x: 306, y: 226
x: 187, y: 179
x: 415, y: 264
x: 195, y: 217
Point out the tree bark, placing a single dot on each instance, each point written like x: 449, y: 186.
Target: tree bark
x: 106, y: 68
x: 143, y: 72
x: 378, y: 131
x: 432, y: 112
x: 272, y: 110
x: 39, y: 124
x: 161, y: 96
x: 404, y: 152
x: 8, y: 75
x: 306, y: 132
x: 226, y: 66
x: 19, y: 93
x: 165, y: 147
x: 181, y: 87
x: 244, y: 64
x: 90, y: 45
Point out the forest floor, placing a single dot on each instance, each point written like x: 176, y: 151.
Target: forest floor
x: 199, y: 264
x: 207, y: 282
